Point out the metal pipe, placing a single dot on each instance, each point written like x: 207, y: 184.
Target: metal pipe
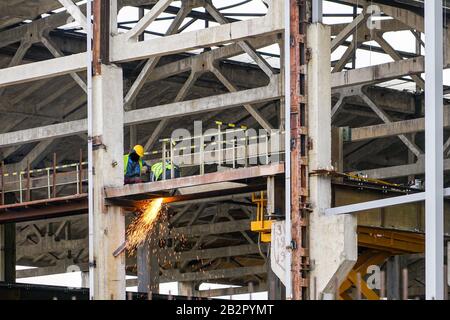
x: 434, y: 160
x: 80, y: 177
x: 28, y: 182
x: 54, y: 176
x: 20, y: 187
x: 287, y: 147
x: 49, y: 192
x: 405, y: 292
x: 90, y: 150
x: 2, y: 179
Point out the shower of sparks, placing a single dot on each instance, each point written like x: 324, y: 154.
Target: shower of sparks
x: 143, y: 225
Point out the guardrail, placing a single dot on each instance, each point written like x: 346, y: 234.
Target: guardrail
x: 43, y: 183
x: 233, y: 148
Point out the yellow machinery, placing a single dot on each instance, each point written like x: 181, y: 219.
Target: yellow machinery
x: 380, y: 244
x: 261, y: 225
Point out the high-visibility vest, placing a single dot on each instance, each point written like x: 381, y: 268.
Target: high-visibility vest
x: 125, y: 164
x: 157, y: 169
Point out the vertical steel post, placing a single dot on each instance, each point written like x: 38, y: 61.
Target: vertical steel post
x: 20, y: 187
x: 434, y: 162
x: 77, y: 178
x: 54, y: 176
x: 2, y: 180
x: 28, y: 194
x: 49, y: 193
x: 287, y: 145
x: 80, y: 177
x: 164, y: 155
x: 172, y: 168
x: 90, y: 167
x: 202, y: 154
x: 299, y: 19
x: 317, y: 11
x: 219, y: 147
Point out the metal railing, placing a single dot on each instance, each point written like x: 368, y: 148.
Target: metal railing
x: 39, y: 184
x: 234, y: 148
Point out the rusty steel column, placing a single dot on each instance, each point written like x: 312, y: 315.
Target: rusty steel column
x: 101, y: 34
x: 299, y: 149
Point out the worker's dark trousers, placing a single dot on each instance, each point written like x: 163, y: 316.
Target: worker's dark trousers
x: 133, y: 180
x: 168, y: 175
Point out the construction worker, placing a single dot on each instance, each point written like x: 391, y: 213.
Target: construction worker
x: 156, y: 172
x: 134, y: 167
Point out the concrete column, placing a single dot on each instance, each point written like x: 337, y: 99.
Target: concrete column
x: 109, y: 221
x: 333, y: 241
x: 84, y: 279
x: 148, y: 268
x: 186, y: 289
x: 394, y: 268
x: 276, y: 289
x: 8, y: 253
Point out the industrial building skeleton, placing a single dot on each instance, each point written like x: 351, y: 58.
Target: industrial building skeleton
x: 197, y: 97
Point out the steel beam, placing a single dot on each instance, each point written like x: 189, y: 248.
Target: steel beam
x: 359, y: 207
x: 231, y: 175
x: 43, y: 209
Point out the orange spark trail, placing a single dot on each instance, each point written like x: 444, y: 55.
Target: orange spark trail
x: 143, y: 225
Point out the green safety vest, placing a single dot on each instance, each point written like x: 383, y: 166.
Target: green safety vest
x: 157, y: 169
x: 125, y: 163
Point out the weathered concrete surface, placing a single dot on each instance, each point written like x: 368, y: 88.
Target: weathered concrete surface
x: 333, y: 241
x: 109, y: 222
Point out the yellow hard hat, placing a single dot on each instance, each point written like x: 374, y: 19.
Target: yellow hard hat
x: 139, y: 150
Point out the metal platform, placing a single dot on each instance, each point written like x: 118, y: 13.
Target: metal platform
x: 44, y: 209
x: 163, y: 188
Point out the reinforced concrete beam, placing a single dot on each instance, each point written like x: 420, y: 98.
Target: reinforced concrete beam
x: 228, y: 100
x: 122, y: 50
x: 50, y: 245
x: 409, y: 18
x: 215, y: 228
x: 378, y: 73
x: 75, y: 12
x: 261, y: 287
x: 42, y: 69
x: 41, y: 133
x: 45, y: 271
x: 394, y: 128
x: 218, y: 102
x: 148, y: 18
x: 231, y: 251
x: 175, y: 275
